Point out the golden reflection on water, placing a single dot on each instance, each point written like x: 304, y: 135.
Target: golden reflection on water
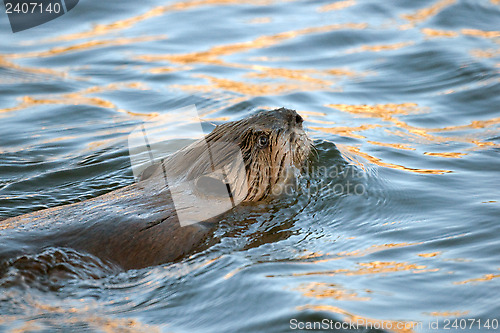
x: 463, y: 32
x: 391, y: 145
x: 212, y: 55
x: 374, y: 267
x: 102, y: 29
x: 320, y: 257
x: 390, y: 325
x: 455, y: 314
x: 389, y: 113
x: 169, y: 69
x: 439, y: 33
x: 480, y: 33
x: 260, y: 20
x: 249, y: 89
x: 446, y: 155
x: 484, y: 278
x: 33, y: 70
x: 46, y: 315
x: 330, y: 290
x: 291, y: 80
x: 383, y: 111
x: 67, y: 49
x: 428, y: 12
x: 79, y: 98
x: 475, y: 124
x: 386, y: 47
x: 489, y: 53
x: 305, y: 75
x: 336, y: 5
x: 70, y: 99
x: 346, y: 130
x: 429, y: 255
x: 85, y: 46
x: 379, y: 162
x: 98, y: 323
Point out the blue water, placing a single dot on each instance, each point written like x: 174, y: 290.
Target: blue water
x: 401, y: 99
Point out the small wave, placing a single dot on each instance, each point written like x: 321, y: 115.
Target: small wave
x: 51, y: 269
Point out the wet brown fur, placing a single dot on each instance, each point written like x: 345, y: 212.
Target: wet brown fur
x: 136, y: 226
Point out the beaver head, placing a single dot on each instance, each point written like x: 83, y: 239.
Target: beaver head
x: 255, y: 154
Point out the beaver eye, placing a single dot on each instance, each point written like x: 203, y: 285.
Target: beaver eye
x: 263, y: 141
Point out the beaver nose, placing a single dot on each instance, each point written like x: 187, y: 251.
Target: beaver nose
x: 295, y: 119
x: 298, y: 120
x: 290, y: 117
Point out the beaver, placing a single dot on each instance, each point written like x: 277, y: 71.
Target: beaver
x: 138, y: 225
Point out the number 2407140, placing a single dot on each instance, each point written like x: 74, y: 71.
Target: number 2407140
x: 31, y: 8
x: 470, y: 323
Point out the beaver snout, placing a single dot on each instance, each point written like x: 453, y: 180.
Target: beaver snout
x: 292, y: 118
x: 298, y: 120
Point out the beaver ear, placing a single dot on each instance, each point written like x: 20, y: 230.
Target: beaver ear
x: 211, y: 186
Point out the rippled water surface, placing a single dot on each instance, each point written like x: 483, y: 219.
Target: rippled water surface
x: 399, y: 225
